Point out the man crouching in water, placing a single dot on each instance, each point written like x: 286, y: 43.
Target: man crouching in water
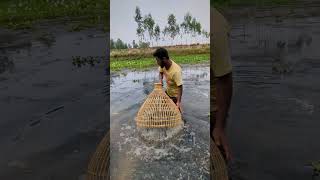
x: 172, y: 73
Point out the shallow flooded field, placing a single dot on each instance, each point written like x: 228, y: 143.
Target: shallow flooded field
x: 186, y: 155
x: 53, y: 113
x: 273, y: 125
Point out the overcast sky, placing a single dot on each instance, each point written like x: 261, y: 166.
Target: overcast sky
x: 122, y: 14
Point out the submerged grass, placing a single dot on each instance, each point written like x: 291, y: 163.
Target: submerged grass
x: 22, y: 14
x: 143, y: 63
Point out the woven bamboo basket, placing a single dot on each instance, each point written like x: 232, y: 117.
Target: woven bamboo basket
x: 218, y: 166
x: 98, y: 168
x: 158, y: 111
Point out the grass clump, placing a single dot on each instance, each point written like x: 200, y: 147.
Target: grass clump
x: 22, y: 14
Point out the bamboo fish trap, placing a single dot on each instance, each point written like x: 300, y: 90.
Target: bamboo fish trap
x: 158, y: 111
x: 98, y: 168
x: 218, y: 167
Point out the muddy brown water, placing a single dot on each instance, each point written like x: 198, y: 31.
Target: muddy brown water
x: 186, y: 155
x: 273, y: 124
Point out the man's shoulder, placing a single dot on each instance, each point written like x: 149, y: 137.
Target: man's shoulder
x: 177, y: 67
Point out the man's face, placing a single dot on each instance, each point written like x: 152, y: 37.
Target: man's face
x: 160, y: 62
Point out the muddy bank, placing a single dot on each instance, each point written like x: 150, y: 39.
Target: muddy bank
x: 53, y: 113
x: 273, y: 125
x: 182, y: 157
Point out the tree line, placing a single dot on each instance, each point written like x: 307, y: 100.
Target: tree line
x: 119, y: 44
x: 149, y: 32
x: 146, y: 26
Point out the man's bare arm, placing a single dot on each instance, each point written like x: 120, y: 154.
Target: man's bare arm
x: 224, y: 94
x: 180, y: 89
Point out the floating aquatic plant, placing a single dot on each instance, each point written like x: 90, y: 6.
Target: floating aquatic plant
x: 90, y: 60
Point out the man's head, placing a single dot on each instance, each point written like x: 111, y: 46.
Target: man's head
x: 162, y: 57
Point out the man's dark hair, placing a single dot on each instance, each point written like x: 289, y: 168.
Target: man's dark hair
x: 161, y: 53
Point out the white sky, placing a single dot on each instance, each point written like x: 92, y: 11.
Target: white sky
x: 123, y: 26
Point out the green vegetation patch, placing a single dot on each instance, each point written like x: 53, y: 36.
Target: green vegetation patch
x: 143, y: 63
x: 126, y: 54
x: 21, y: 14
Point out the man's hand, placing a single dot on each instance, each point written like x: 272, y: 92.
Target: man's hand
x: 220, y: 139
